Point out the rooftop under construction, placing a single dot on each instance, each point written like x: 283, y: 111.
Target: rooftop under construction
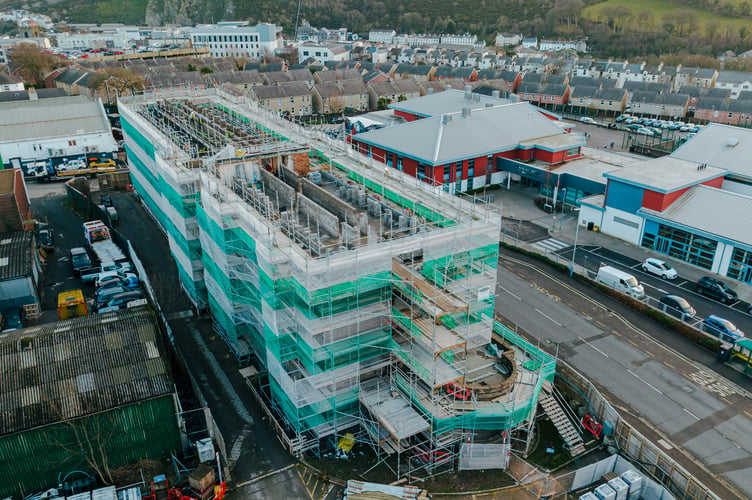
x: 363, y: 295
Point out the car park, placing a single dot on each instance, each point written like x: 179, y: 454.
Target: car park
x: 715, y: 289
x: 677, y: 306
x: 659, y: 268
x: 722, y: 328
x: 12, y: 319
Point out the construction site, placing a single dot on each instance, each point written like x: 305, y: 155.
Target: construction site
x: 363, y: 297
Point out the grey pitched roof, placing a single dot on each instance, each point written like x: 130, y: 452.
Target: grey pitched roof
x: 592, y: 82
x: 237, y: 77
x: 653, y: 98
x: 691, y: 90
x: 175, y: 79
x: 554, y: 89
x: 612, y: 94
x: 15, y: 250
x: 79, y: 367
x: 530, y: 88
x: 292, y: 89
x: 691, y: 210
x: 582, y: 92
x: 484, y: 131
x: 449, y: 101
x: 53, y: 117
x: 70, y: 76
x: 745, y: 95
x: 733, y: 77
x: 719, y: 93
x: 654, y: 87
x: 413, y: 69
x: 347, y: 87
x: 533, y: 78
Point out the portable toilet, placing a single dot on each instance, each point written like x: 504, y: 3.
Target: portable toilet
x: 634, y: 480
x: 620, y: 487
x: 588, y: 496
x: 604, y: 492
x: 71, y: 304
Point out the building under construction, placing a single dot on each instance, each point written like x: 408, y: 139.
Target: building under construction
x: 365, y: 297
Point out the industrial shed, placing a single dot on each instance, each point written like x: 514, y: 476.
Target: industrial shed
x: 98, y: 383
x: 19, y: 270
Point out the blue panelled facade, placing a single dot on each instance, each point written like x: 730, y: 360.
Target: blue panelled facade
x: 624, y: 197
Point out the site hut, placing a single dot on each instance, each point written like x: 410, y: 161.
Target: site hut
x: 95, y: 383
x: 360, y: 294
x: 54, y: 129
x: 20, y: 270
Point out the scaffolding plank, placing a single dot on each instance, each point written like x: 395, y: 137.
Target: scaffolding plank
x: 391, y: 410
x: 445, y: 304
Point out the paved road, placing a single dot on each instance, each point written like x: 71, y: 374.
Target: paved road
x: 693, y: 409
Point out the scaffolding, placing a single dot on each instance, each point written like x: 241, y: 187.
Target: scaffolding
x: 364, y: 296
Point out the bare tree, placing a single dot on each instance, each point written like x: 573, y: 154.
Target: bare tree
x: 32, y: 63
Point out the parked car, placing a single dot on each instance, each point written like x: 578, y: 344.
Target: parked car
x: 722, y: 328
x: 45, y: 238
x: 621, y: 118
x: 80, y: 259
x: 103, y: 296
x: 121, y: 300
x: 715, y: 289
x: 587, y: 119
x: 677, y: 306
x: 12, y: 319
x: 659, y: 268
x: 130, y: 283
x: 633, y: 127
x: 101, y: 163
x: 645, y: 131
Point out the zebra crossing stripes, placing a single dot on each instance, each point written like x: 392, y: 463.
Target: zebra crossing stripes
x: 551, y: 245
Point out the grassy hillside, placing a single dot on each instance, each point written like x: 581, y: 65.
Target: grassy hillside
x: 653, y: 15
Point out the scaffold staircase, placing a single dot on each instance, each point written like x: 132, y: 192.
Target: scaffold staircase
x: 553, y: 408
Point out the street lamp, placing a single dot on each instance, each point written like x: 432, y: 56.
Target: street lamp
x: 576, y: 234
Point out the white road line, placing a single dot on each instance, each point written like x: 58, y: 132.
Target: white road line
x: 510, y: 293
x: 591, y: 345
x: 698, y: 418
x: 647, y: 383
x: 548, y: 317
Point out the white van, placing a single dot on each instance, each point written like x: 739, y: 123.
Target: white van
x: 619, y: 280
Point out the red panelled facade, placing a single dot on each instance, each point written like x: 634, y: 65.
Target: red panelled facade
x: 661, y: 201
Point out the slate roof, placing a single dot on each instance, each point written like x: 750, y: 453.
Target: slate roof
x: 237, y: 77
x: 733, y: 77
x: 77, y: 367
x: 293, y: 89
x: 711, y: 146
x: 667, y: 99
x: 449, y: 101
x: 15, y: 247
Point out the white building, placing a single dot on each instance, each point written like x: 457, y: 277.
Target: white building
x: 555, y: 45
x: 236, y: 39
x: 324, y: 52
x: 466, y: 39
x: 382, y: 36
x: 58, y: 127
x: 507, y: 39
x: 119, y: 37
x: 421, y: 40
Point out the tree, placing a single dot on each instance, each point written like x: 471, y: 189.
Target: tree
x: 336, y: 105
x: 114, y: 82
x: 32, y: 63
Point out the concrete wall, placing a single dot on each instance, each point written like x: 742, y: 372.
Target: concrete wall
x: 343, y: 210
x: 275, y: 189
x: 311, y: 211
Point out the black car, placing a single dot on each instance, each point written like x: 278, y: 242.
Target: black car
x: 12, y: 319
x: 677, y: 306
x: 45, y: 239
x: 121, y: 300
x: 715, y: 289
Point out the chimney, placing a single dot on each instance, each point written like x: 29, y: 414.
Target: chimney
x: 465, y: 112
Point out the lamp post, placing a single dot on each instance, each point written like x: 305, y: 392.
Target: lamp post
x: 576, y: 234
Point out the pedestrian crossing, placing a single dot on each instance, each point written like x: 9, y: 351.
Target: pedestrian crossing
x: 551, y: 245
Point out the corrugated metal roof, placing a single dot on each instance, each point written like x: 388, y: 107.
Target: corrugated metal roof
x: 691, y: 210
x: 16, y: 256
x: 721, y: 146
x: 486, y: 130
x: 81, y: 366
x: 54, y: 117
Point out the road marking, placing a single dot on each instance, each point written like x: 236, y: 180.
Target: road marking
x: 748, y: 414
x: 646, y: 382
x: 727, y: 401
x: 548, y: 317
x: 632, y: 343
x: 698, y: 418
x: 591, y: 345
x: 510, y: 293
x: 669, y: 365
x: 237, y: 446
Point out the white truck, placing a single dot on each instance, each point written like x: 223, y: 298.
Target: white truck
x: 97, y: 235
x: 621, y: 281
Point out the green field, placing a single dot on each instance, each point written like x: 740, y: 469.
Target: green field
x: 654, y: 12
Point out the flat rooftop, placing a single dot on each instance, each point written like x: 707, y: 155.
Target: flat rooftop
x: 449, y: 101
x: 666, y: 174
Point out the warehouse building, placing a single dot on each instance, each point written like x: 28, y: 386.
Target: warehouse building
x: 20, y: 271
x: 363, y: 295
x: 54, y: 129
x: 91, y: 394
